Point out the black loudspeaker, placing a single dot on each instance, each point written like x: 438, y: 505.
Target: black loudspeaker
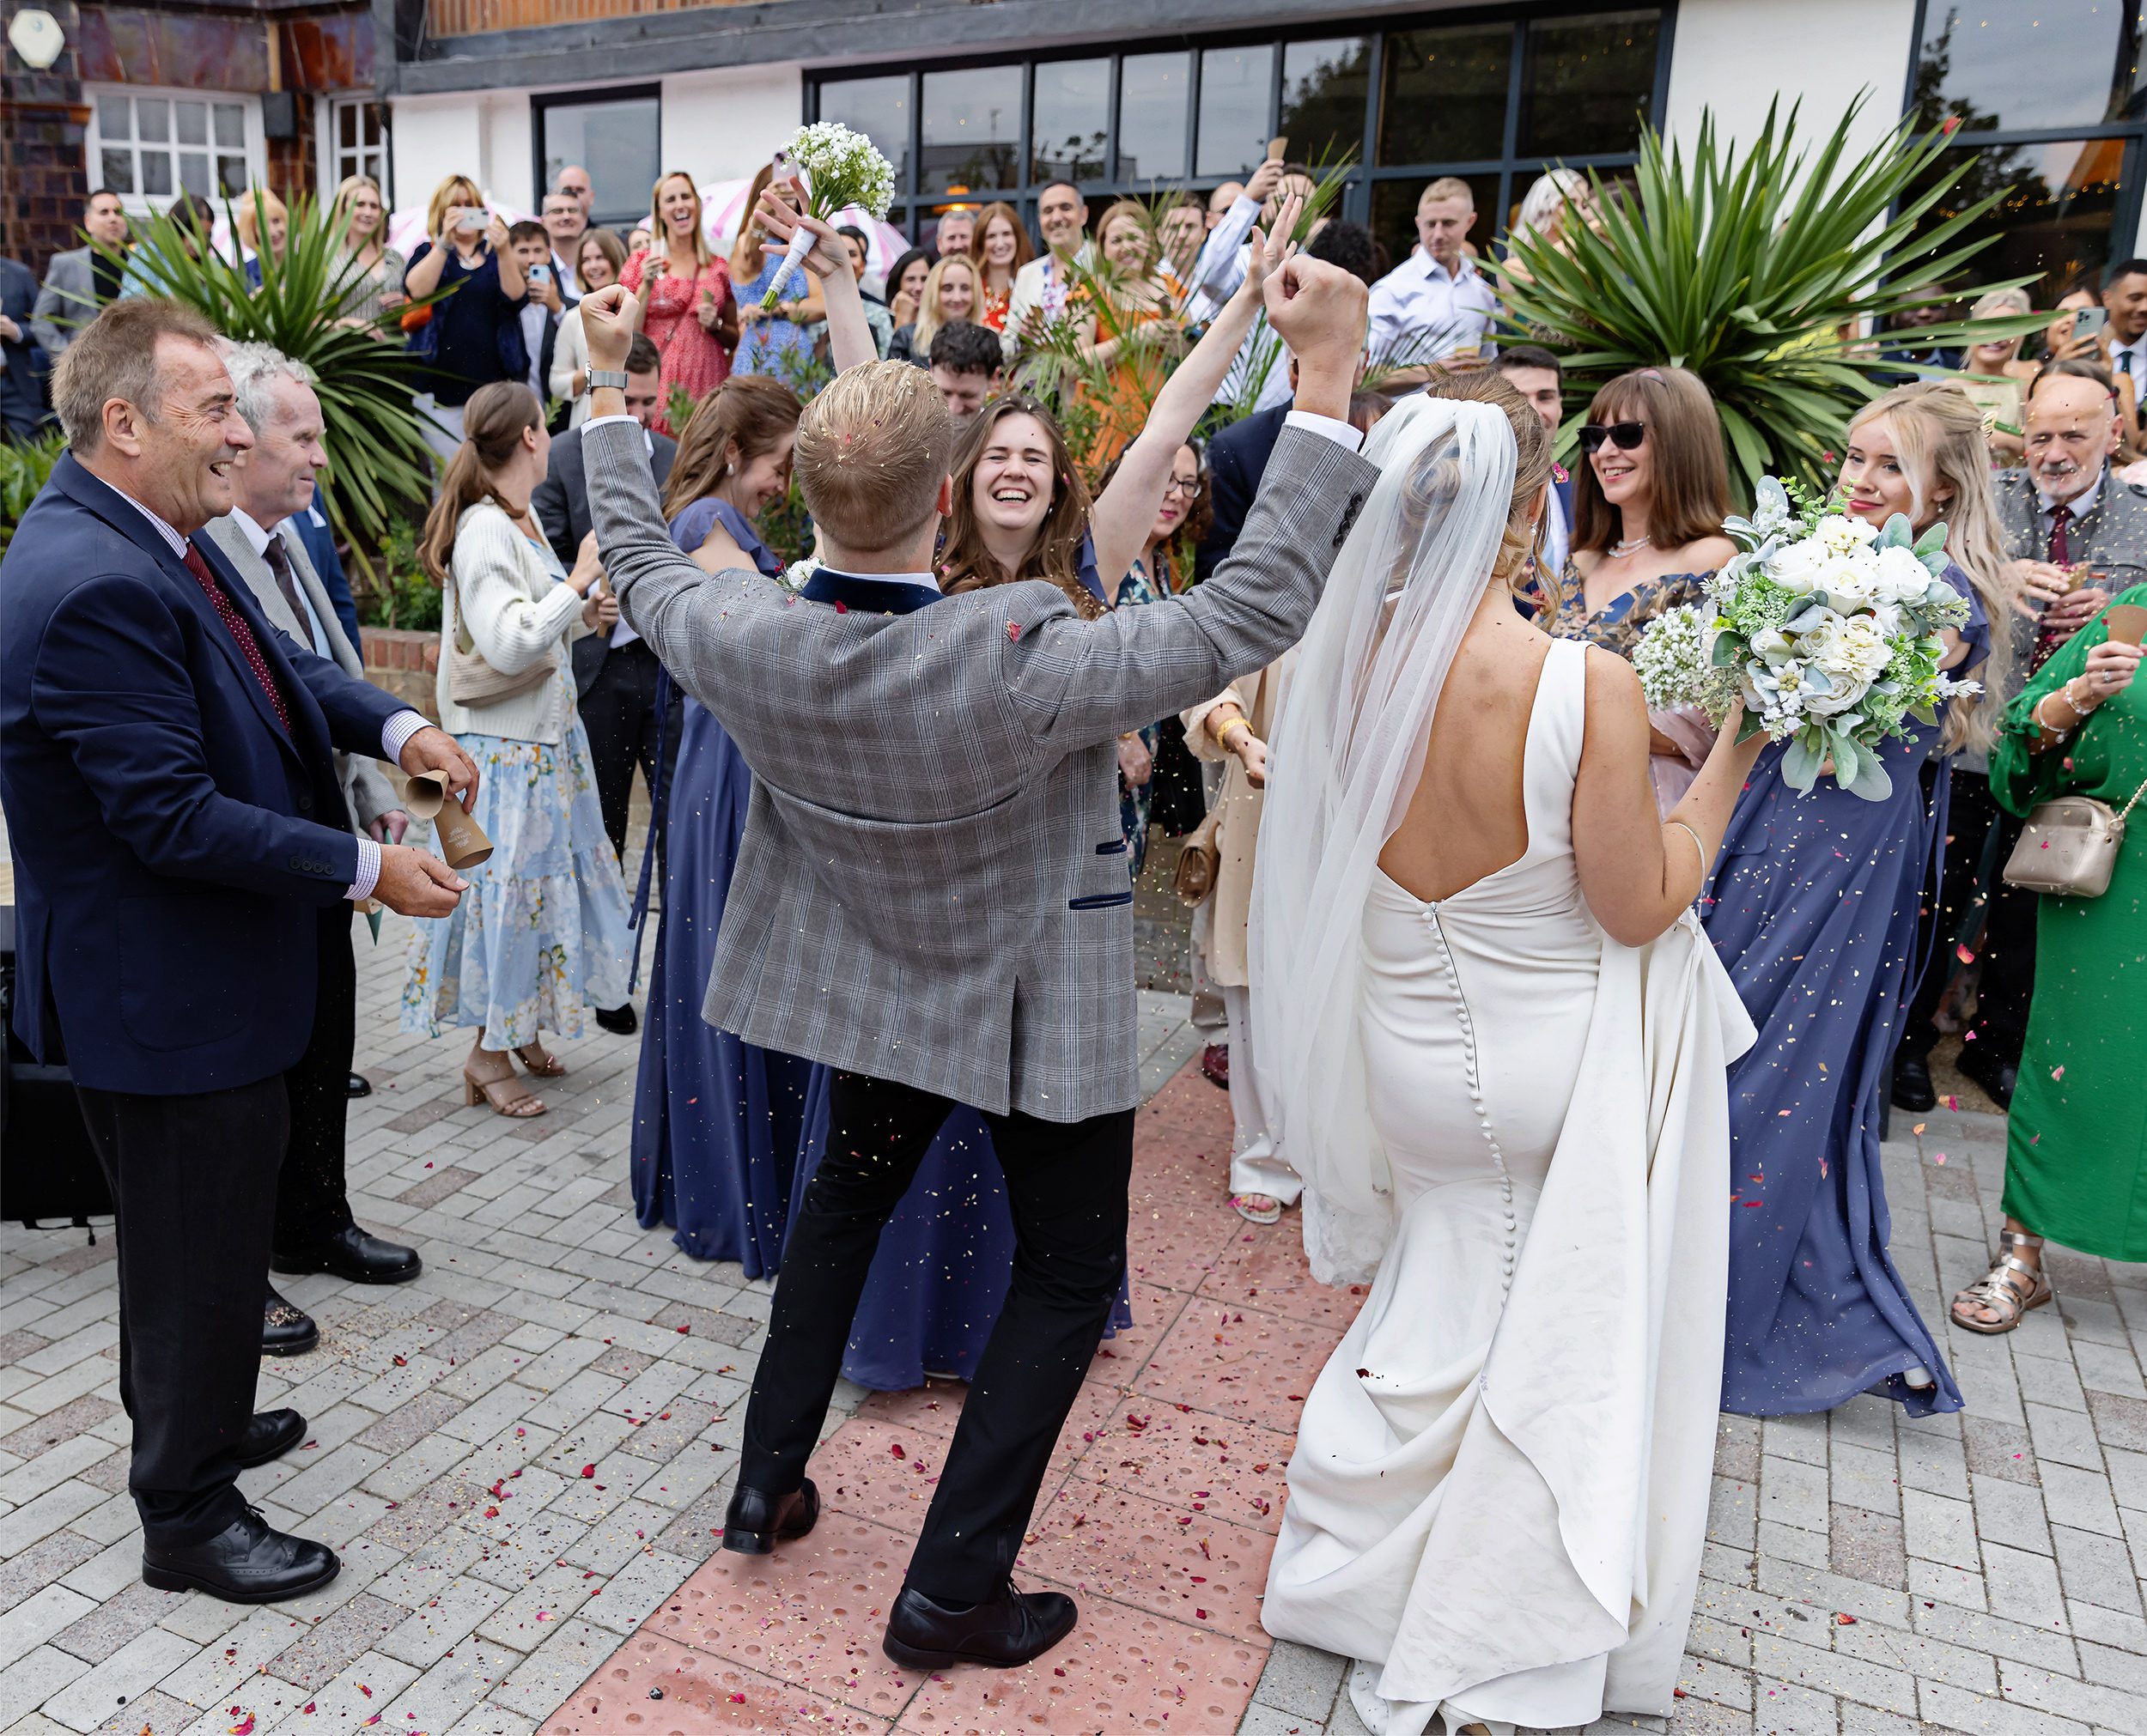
x: 279, y: 115
x: 48, y: 1168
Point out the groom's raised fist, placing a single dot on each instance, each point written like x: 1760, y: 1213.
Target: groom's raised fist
x: 1319, y: 310
x: 608, y: 322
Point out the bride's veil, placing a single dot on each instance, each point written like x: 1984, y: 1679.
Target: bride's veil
x: 1343, y: 764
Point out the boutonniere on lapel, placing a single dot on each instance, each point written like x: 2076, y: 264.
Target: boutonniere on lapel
x: 1559, y: 473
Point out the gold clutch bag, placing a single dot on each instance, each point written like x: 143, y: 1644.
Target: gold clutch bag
x: 2070, y: 846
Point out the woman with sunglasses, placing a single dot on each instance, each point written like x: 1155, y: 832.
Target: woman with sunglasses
x: 1649, y: 499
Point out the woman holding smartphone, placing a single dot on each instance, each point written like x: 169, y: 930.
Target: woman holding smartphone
x: 475, y: 333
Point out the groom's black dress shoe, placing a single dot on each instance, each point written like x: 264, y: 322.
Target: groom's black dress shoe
x: 1996, y: 1077
x: 1912, y: 1088
x: 620, y: 1021
x: 271, y: 1434
x: 248, y: 1561
x: 351, y: 1254
x: 287, y: 1330
x: 357, y: 1085
x: 757, y: 1521
x: 1009, y: 1629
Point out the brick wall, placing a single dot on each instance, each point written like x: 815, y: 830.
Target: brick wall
x: 42, y: 170
x: 404, y: 663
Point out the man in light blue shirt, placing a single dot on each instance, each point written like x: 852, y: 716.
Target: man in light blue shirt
x: 1435, y: 306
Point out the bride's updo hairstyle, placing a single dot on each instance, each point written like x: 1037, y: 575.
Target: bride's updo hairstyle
x: 1532, y: 465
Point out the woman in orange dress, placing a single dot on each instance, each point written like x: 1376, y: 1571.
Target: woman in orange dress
x: 687, y: 310
x: 1000, y: 248
x: 1131, y: 328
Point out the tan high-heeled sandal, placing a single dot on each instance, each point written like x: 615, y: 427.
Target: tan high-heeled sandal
x: 2000, y: 1289
x: 541, y: 1062
x: 508, y: 1096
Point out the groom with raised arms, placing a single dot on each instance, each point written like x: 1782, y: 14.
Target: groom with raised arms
x: 932, y: 898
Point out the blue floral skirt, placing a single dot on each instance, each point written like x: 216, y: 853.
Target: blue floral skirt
x: 542, y: 932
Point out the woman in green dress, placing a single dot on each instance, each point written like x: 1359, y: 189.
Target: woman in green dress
x: 2076, y: 1158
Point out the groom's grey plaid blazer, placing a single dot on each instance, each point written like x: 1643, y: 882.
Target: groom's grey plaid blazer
x: 932, y: 887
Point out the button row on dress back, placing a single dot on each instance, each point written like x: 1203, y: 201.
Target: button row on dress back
x: 1476, y: 1087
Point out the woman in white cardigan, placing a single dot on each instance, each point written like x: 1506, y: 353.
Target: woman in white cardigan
x: 542, y: 932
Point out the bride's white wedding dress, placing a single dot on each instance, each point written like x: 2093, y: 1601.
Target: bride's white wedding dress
x: 1499, y: 1495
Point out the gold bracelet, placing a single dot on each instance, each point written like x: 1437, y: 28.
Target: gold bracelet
x: 1222, y: 735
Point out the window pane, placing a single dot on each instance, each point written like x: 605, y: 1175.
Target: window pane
x: 119, y: 172
x: 1590, y: 83
x: 2059, y: 62
x: 114, y: 120
x: 1067, y: 132
x: 879, y: 108
x: 615, y: 142
x: 347, y: 125
x: 193, y: 172
x: 1445, y: 95
x: 230, y: 126
x: 1394, y: 215
x: 193, y: 122
x: 1237, y: 99
x: 154, y: 116
x: 156, y: 174
x: 1324, y: 89
x: 1153, y: 93
x: 972, y: 129
x: 2057, y: 220
x: 231, y: 175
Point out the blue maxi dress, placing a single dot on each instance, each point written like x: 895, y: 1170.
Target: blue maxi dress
x: 1813, y: 909
x: 717, y: 1120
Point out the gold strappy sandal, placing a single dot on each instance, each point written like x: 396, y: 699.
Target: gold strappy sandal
x: 2001, y: 1289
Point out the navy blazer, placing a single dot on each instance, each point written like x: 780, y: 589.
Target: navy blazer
x: 1237, y: 459
x: 175, y: 851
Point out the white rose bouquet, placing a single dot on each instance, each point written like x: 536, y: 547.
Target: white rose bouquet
x: 834, y: 169
x: 1825, y: 629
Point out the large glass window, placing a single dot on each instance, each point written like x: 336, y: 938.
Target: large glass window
x: 616, y: 136
x: 353, y: 141
x: 149, y: 146
x: 2050, y: 94
x: 1493, y: 100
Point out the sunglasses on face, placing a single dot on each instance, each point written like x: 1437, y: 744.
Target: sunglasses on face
x: 1625, y: 436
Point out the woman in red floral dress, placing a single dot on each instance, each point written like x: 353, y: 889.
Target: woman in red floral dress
x: 687, y: 310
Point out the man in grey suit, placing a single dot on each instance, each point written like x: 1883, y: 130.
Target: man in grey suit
x: 931, y: 895
x: 80, y: 280
x: 274, y: 479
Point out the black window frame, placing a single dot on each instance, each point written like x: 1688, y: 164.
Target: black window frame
x: 1514, y: 173
x: 593, y: 95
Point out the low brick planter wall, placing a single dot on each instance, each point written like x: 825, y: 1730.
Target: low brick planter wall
x: 406, y: 663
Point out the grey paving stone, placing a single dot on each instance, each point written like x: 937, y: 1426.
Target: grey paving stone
x: 333, y: 1644
x: 1300, y: 1680
x: 2119, y: 1421
x: 1868, y: 1546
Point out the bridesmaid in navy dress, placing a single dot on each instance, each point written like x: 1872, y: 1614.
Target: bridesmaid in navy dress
x: 717, y: 1121
x: 1813, y: 908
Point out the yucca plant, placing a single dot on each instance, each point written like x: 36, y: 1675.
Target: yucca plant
x: 1756, y: 272
x: 363, y: 372
x: 24, y: 468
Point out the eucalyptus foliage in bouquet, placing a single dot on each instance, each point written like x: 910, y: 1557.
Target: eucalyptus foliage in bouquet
x: 835, y: 168
x: 1826, y: 629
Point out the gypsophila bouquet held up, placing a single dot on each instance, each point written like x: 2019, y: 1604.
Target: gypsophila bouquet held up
x: 833, y: 168
x: 1827, y: 629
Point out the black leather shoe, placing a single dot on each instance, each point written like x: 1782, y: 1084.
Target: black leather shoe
x: 287, y: 1330
x: 351, y: 1254
x: 358, y: 1086
x: 620, y: 1021
x: 757, y: 1521
x: 1912, y: 1084
x: 271, y: 1434
x: 248, y: 1561
x: 1010, y: 1628
x: 1996, y: 1077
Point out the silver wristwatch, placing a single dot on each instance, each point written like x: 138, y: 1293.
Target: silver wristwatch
x: 613, y: 377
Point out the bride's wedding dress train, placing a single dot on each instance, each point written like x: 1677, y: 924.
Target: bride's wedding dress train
x: 1499, y: 1495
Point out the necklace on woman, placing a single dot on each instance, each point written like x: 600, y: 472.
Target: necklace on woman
x: 1629, y: 546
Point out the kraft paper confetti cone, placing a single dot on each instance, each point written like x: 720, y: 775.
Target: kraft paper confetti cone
x: 462, y: 841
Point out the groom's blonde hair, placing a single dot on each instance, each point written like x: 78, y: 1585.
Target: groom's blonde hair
x: 873, y: 450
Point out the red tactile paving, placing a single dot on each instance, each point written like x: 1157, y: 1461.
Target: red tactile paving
x: 1158, y: 1512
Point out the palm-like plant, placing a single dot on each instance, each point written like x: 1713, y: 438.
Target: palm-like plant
x: 1757, y: 273
x: 364, y: 375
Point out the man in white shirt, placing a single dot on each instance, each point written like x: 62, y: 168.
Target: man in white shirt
x: 566, y: 223
x: 1042, y: 286
x: 957, y: 230
x: 1435, y: 306
x: 2125, y: 297
x: 541, y: 307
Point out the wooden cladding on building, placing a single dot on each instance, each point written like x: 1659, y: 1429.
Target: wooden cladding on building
x: 473, y: 17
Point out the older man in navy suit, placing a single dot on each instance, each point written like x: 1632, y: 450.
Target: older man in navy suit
x: 182, y: 857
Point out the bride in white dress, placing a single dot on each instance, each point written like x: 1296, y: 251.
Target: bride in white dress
x: 1497, y: 1051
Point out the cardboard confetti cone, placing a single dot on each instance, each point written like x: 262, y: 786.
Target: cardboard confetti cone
x: 462, y: 841
x: 2127, y: 622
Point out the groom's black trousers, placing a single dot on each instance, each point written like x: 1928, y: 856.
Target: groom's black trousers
x: 1067, y: 1184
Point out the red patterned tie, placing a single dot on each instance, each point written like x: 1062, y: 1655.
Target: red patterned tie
x: 235, y: 623
x: 2060, y: 556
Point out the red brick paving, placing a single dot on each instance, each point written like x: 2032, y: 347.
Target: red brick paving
x: 1158, y: 1512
